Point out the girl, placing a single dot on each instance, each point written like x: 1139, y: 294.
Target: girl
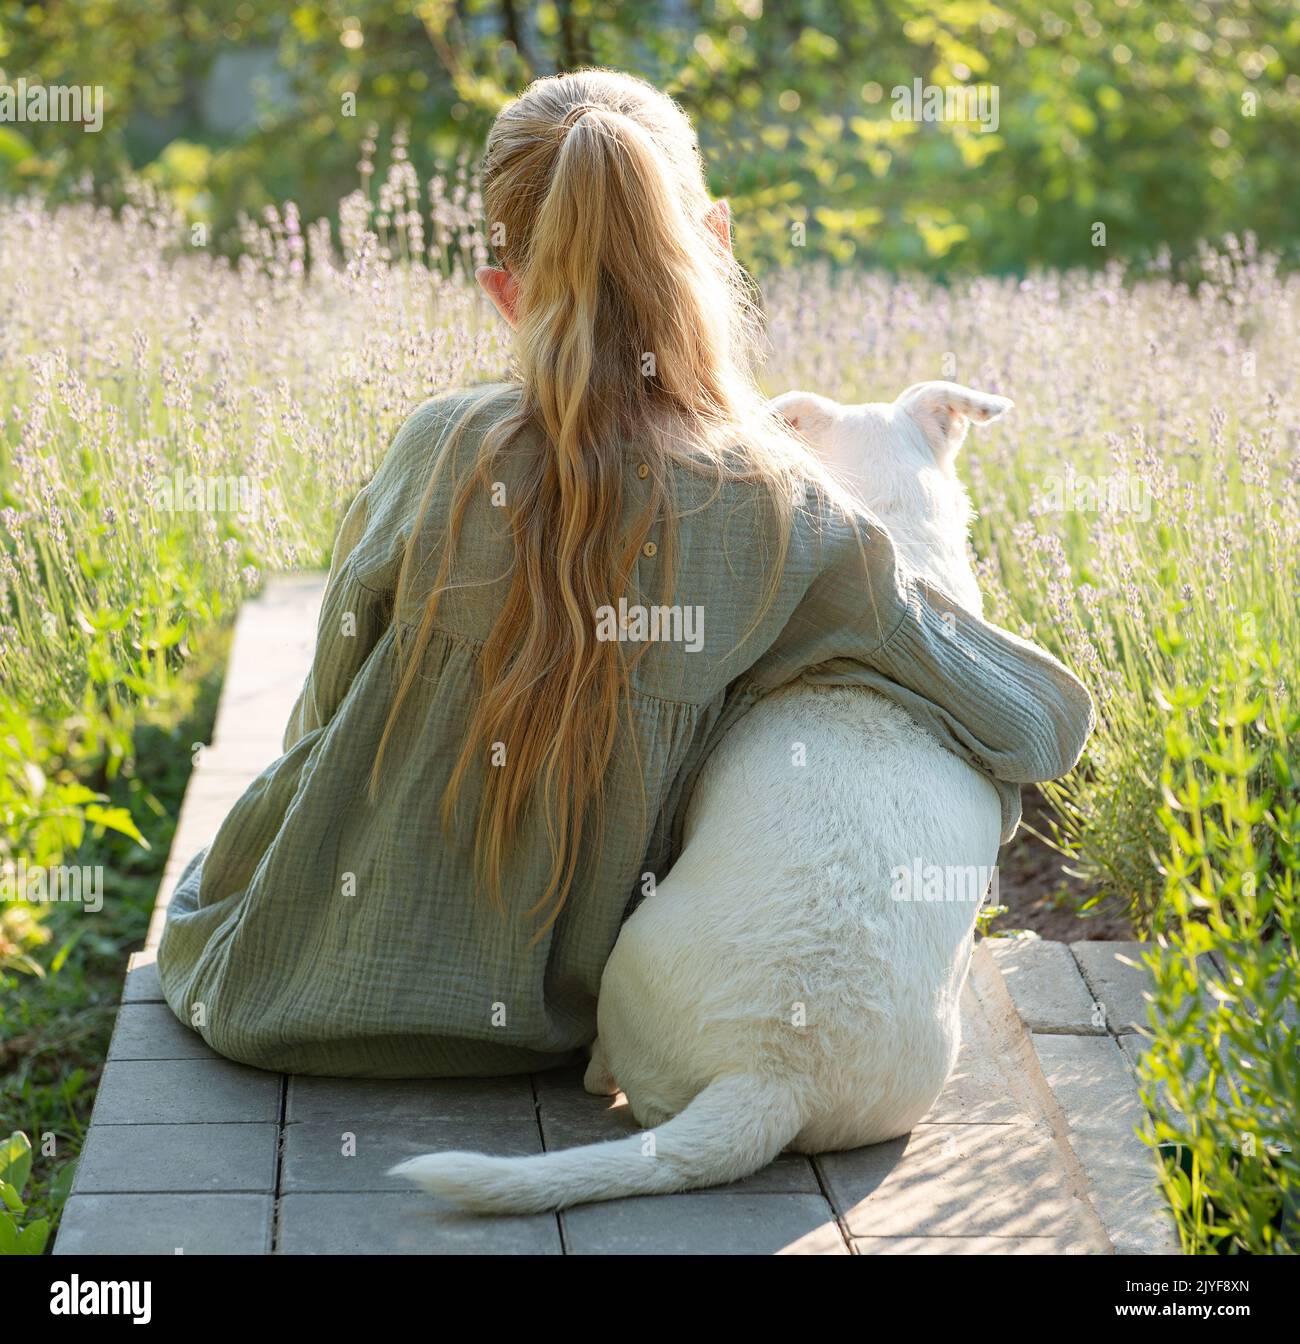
x: 553, y: 599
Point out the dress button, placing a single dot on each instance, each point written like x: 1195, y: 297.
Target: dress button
x: 643, y: 471
x: 649, y: 549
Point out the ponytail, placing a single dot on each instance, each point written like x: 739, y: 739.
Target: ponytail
x: 631, y: 328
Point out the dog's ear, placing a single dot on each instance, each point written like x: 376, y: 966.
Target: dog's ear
x: 806, y: 413
x: 944, y: 411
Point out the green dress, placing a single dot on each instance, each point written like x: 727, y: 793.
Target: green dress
x: 322, y: 933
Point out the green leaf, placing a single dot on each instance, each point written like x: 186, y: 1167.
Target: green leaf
x: 14, y: 148
x: 115, y: 819
x: 61, y: 956
x: 16, y: 1159
x: 61, y: 1186
x: 10, y: 1198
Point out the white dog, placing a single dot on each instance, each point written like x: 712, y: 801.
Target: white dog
x: 790, y: 983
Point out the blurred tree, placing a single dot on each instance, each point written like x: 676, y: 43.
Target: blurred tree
x: 1120, y: 125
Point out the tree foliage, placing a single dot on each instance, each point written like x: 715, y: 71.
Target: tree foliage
x: 1121, y: 126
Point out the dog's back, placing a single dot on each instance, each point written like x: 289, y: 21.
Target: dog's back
x: 803, y: 928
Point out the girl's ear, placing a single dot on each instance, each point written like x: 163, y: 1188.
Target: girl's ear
x: 718, y: 222
x: 501, y: 287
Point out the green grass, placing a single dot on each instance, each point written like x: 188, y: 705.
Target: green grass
x: 55, y: 1027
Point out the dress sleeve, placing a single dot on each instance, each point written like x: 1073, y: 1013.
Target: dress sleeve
x: 868, y: 619
x: 352, y: 618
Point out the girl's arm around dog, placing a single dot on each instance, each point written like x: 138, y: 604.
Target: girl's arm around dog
x: 866, y: 619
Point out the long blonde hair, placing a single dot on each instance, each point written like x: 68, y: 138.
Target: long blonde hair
x: 633, y: 326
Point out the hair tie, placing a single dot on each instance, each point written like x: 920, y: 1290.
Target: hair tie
x: 576, y: 114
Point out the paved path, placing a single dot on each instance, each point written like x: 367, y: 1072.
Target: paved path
x: 1029, y: 1149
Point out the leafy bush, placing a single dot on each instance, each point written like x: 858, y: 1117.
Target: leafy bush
x: 58, y: 1006
x: 19, y: 1234
x: 1157, y: 120
x: 1222, y: 1074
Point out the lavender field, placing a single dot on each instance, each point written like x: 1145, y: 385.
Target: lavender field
x: 176, y: 426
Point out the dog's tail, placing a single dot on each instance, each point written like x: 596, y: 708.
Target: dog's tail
x: 734, y: 1127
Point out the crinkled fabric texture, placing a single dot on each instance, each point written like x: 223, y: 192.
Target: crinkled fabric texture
x: 324, y: 933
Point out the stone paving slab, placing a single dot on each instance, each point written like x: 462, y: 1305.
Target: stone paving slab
x: 1091, y: 1079
x: 1118, y: 982
x: 235, y: 758
x: 956, y: 1180
x: 408, y: 1099
x: 159, y: 1159
x: 188, y: 1150
x: 405, y: 1224
x: 320, y: 1156
x: 705, y: 1222
x: 204, y: 810
x: 971, y: 1246
x: 1125, y: 1190
x: 1135, y: 1047
x: 153, y: 1031
x: 979, y: 1090
x: 142, y: 979
x: 1044, y: 983
x: 1084, y: 1059
x: 185, y: 1091
x: 166, y: 1225
x: 269, y: 657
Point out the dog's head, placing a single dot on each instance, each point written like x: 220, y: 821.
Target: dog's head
x: 924, y: 429
x: 898, y: 459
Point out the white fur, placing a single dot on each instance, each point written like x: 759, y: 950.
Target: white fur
x: 771, y: 993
